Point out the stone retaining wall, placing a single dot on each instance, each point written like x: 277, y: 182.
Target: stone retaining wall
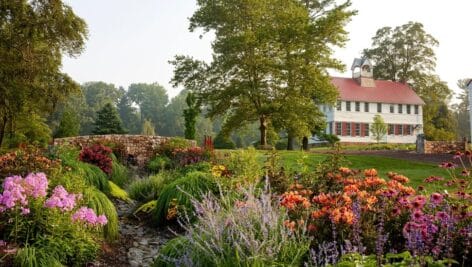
x: 139, y: 147
x: 435, y: 147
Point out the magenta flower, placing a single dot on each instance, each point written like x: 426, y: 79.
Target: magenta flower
x: 36, y: 184
x: 61, y: 199
x: 13, y: 192
x: 448, y: 165
x: 88, y: 216
x: 436, y: 198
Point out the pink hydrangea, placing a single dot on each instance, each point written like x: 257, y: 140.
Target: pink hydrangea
x: 61, y: 199
x: 88, y: 216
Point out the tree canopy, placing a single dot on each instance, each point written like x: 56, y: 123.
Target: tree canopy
x: 406, y: 54
x: 267, y: 56
x: 33, y: 37
x: 108, y: 121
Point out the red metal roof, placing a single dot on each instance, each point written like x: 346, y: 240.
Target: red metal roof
x: 383, y: 92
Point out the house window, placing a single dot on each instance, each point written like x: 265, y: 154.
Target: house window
x: 408, y: 109
x: 348, y: 105
x: 416, y: 109
x: 408, y: 130
x: 379, y: 107
x: 358, y: 129
x: 348, y: 129
x: 338, y: 128
x: 392, y: 109
x: 400, y: 129
x: 366, y: 129
x: 366, y: 107
x: 391, y: 129
x: 338, y: 105
x: 358, y: 106
x: 400, y: 108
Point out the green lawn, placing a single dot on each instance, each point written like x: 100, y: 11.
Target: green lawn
x: 416, y: 171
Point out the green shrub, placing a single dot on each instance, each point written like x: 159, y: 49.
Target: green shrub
x: 146, y: 189
x: 200, y: 167
x: 100, y: 203
x: 159, y: 163
x: 173, y: 249
x: 167, y: 147
x: 177, y: 195
x: 118, y: 193
x: 244, y: 166
x: 32, y: 257
x: 223, y: 142
x: 119, y: 174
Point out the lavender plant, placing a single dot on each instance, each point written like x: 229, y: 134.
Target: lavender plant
x: 232, y: 232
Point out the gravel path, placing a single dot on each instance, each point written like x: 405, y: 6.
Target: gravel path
x: 138, y: 244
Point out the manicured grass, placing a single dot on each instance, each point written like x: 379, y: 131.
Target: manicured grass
x: 416, y: 171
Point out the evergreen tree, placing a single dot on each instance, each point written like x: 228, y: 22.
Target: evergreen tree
x: 190, y: 115
x: 108, y: 121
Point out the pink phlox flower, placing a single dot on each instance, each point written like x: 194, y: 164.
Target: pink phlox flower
x: 88, y: 216
x: 13, y: 192
x: 61, y: 199
x: 36, y: 184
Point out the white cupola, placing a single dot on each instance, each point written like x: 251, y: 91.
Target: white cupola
x: 362, y: 72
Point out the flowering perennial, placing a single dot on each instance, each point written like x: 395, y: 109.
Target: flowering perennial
x: 89, y: 217
x: 61, y: 199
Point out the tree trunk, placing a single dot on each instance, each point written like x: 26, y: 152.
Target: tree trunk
x: 3, y: 125
x: 290, y: 142
x: 305, y: 143
x: 263, y: 129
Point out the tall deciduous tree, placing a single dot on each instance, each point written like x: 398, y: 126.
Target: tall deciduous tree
x: 33, y: 37
x: 406, y: 54
x: 462, y: 110
x: 152, y: 100
x: 129, y: 114
x: 108, y: 121
x: 268, y: 55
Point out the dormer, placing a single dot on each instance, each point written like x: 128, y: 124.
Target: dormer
x: 362, y: 72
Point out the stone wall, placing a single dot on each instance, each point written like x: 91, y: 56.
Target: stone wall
x: 434, y: 147
x: 138, y: 147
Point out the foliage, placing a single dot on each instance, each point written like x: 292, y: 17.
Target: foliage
x: 129, y: 114
x: 244, y: 167
x: 174, y: 200
x: 378, y: 128
x: 461, y: 110
x: 98, y: 155
x: 147, y: 207
x: 29, y: 128
x: 274, y: 173
x: 152, y: 100
x: 147, y: 189
x: 108, y: 121
x: 267, y: 66
x: 190, y: 115
x: 406, y: 54
x: 229, y: 232
x: 119, y: 174
x: 159, y: 163
x: 167, y: 147
x: 223, y: 142
x: 189, y: 156
x: 26, y: 159
x: 118, y: 193
x: 69, y: 124
x: 148, y: 128
x: 41, y: 224
x: 32, y: 43
x: 100, y: 203
x: 330, y: 138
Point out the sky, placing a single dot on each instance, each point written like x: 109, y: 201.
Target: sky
x: 132, y: 41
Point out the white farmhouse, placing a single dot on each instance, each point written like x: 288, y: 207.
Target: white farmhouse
x: 361, y: 98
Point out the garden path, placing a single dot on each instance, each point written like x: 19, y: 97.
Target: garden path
x: 138, y: 244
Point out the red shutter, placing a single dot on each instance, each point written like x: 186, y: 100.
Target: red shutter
x: 404, y: 129
x: 353, y: 129
x: 343, y: 128
x: 362, y: 129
